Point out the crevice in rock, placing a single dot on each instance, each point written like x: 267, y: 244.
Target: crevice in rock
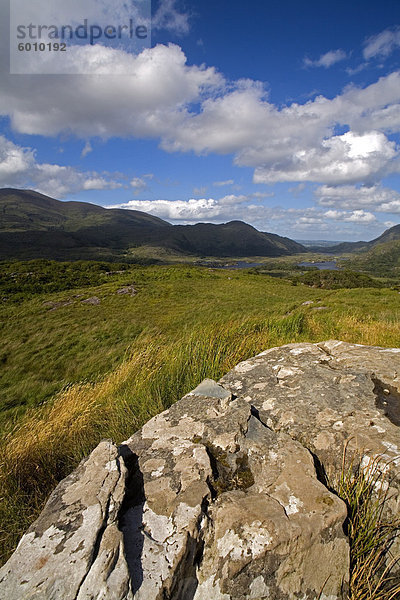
x: 320, y: 471
x: 96, y: 548
x: 99, y: 537
x: 321, y: 347
x: 278, y: 502
x: 387, y: 400
x: 328, y: 363
x: 130, y: 517
x: 256, y: 413
x: 215, y: 474
x: 324, y: 479
x: 185, y: 581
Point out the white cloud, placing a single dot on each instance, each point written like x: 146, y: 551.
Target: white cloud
x: 326, y: 60
x: 340, y: 159
x: 357, y: 69
x: 261, y: 195
x: 192, y: 108
x: 181, y: 210
x: 356, y: 216
x: 218, y: 210
x: 382, y: 44
x: 297, y: 142
x: 73, y: 12
x: 375, y: 197
x: 97, y: 183
x: 19, y: 168
x: 148, y: 102
x: 391, y: 207
x: 222, y: 183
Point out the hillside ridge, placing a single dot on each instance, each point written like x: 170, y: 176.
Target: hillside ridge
x: 33, y: 225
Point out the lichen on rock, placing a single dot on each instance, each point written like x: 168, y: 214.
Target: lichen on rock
x: 224, y: 496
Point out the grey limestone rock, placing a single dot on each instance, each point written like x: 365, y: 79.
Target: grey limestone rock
x: 223, y: 496
x: 75, y: 548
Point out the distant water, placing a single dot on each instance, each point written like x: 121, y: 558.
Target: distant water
x: 241, y: 264
x: 327, y: 265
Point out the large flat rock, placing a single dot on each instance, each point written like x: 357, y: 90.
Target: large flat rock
x: 324, y: 394
x: 223, y: 496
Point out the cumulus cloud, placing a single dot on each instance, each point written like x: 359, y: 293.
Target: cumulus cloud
x: 19, y: 168
x: 218, y: 210
x: 176, y: 210
x: 393, y: 206
x: 297, y: 142
x: 375, y: 197
x: 193, y: 108
x: 355, y: 216
x: 145, y: 103
x: 340, y: 159
x: 92, y: 182
x: 382, y: 44
x: 326, y: 60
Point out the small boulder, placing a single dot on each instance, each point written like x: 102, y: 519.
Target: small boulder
x: 95, y: 301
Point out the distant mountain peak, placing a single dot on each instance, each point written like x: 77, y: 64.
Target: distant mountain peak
x: 33, y: 225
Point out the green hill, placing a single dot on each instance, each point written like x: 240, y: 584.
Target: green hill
x: 390, y: 235
x: 382, y: 260
x: 26, y: 210
x: 35, y: 226
x: 229, y: 239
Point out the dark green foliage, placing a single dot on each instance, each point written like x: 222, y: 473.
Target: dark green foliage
x: 382, y: 260
x: 22, y: 280
x: 334, y: 280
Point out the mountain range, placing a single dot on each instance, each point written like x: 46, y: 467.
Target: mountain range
x: 33, y: 225
x: 390, y: 235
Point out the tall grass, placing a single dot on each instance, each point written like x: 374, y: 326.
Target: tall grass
x: 51, y: 441
x: 209, y: 323
x: 371, y: 530
x: 159, y: 369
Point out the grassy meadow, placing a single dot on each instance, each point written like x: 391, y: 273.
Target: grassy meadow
x: 74, y: 372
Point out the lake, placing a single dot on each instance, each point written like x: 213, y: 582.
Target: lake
x: 327, y: 265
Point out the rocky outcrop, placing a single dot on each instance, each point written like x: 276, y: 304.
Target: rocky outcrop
x: 224, y: 496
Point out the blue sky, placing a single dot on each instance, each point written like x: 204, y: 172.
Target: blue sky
x: 283, y: 114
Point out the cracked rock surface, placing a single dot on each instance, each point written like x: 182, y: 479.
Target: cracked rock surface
x: 324, y: 394
x: 74, y: 549
x: 223, y: 496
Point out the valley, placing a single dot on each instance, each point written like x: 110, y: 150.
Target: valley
x: 92, y: 349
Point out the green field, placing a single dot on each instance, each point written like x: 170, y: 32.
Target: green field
x: 73, y: 373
